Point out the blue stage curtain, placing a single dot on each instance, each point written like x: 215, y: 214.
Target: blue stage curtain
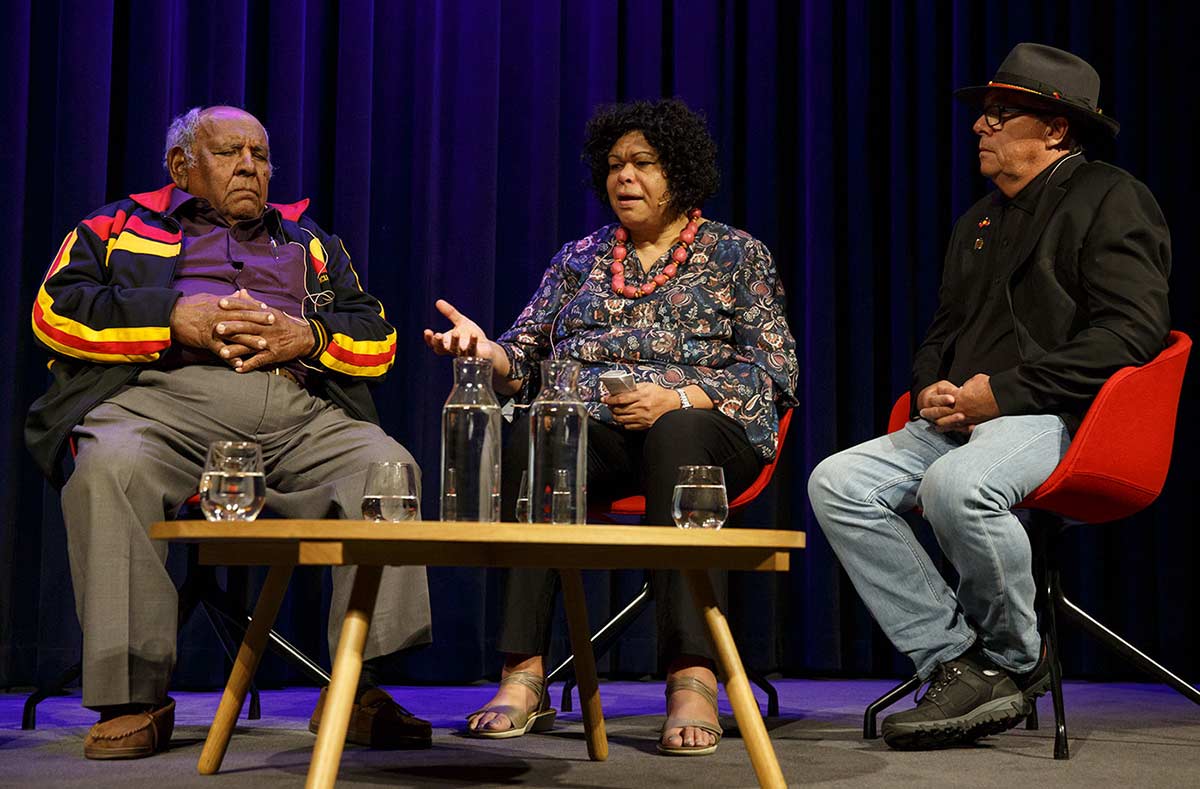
x: 441, y: 141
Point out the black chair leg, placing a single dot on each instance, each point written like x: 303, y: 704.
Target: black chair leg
x: 766, y: 687
x: 230, y: 648
x: 883, y: 702
x: 602, y: 641
x: 1123, y: 648
x: 55, y: 688
x: 1062, y: 749
x: 1031, y: 720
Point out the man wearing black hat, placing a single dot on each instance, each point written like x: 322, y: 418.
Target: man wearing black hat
x: 1051, y: 284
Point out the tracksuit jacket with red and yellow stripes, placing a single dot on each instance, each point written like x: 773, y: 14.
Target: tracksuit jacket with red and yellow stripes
x: 103, y: 311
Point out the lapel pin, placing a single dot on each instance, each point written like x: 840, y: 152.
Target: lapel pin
x: 985, y: 222
x: 979, y: 243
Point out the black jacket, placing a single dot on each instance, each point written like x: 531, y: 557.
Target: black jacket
x: 1087, y: 292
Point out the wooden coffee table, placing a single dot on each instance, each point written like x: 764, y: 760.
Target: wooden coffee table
x: 284, y: 544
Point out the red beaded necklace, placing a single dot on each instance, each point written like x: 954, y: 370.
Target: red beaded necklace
x: 678, y: 257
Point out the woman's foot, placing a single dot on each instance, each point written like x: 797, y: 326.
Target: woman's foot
x: 687, y: 704
x: 517, y: 700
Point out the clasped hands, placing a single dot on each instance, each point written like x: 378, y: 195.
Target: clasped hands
x: 958, y: 408
x: 240, y: 330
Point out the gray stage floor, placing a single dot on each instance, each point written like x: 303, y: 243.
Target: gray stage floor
x: 1122, y: 735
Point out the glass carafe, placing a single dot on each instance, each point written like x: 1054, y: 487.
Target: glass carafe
x: 558, y: 447
x: 471, y: 444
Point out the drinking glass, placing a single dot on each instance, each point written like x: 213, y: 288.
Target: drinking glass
x: 390, y: 493
x: 700, y: 501
x: 232, y: 487
x: 522, y: 512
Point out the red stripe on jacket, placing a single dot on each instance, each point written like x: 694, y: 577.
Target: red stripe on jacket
x: 153, y: 233
x: 106, y: 226
x: 122, y: 347
x: 361, y: 359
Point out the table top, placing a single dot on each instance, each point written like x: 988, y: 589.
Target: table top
x: 437, y: 543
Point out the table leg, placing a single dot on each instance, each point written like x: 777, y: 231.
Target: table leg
x: 745, y: 708
x: 347, y: 666
x: 585, y: 665
x: 251, y: 651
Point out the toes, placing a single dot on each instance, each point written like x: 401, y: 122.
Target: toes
x: 498, y: 723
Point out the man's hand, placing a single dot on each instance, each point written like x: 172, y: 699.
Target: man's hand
x: 936, y: 400
x: 972, y: 404
x: 641, y: 408
x: 274, y: 340
x: 194, y: 319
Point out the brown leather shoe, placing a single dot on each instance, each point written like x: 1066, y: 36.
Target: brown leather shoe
x: 378, y: 721
x: 134, y: 736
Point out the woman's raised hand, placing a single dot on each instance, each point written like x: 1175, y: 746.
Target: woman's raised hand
x: 465, y: 338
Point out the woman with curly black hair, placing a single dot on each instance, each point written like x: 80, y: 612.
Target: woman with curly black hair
x: 694, y: 311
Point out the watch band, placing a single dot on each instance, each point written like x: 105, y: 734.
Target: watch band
x: 684, y: 402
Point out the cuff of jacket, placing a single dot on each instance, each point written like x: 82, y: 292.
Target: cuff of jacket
x: 320, y: 338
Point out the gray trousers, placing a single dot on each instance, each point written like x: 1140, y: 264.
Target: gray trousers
x: 139, y: 455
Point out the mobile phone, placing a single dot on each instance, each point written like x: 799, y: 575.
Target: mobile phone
x: 616, y: 381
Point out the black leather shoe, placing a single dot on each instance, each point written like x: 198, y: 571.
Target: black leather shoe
x: 968, y: 698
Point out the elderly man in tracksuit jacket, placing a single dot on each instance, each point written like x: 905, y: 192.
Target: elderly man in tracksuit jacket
x: 183, y: 316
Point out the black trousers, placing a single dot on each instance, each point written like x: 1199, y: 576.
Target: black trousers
x: 625, y: 463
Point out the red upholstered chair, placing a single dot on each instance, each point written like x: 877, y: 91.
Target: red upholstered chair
x: 1116, y: 465
x: 635, y: 507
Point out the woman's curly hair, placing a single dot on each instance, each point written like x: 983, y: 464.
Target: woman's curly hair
x: 686, y: 151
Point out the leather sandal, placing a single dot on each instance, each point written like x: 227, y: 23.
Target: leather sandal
x: 540, y: 719
x: 709, y: 695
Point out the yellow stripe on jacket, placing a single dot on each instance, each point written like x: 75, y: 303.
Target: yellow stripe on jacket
x: 140, y: 246
x: 362, y: 358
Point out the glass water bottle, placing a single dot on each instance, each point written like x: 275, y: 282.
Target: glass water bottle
x: 558, y: 447
x: 471, y: 444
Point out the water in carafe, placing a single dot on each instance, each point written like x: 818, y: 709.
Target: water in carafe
x: 471, y: 445
x: 558, y: 447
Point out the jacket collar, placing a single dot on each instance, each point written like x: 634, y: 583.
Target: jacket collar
x: 1053, y: 190
x: 160, y: 199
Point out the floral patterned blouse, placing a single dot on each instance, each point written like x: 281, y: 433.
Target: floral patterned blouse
x: 719, y: 324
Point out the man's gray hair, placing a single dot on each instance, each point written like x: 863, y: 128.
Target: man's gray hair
x: 182, y: 134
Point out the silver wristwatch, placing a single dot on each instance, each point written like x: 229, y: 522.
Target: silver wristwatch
x: 684, y: 402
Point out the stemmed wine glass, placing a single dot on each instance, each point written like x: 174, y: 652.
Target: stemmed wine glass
x: 232, y: 487
x: 700, y: 501
x: 390, y: 493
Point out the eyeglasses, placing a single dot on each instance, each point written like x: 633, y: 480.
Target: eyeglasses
x: 996, y: 115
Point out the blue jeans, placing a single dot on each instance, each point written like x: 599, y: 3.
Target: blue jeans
x: 966, y: 488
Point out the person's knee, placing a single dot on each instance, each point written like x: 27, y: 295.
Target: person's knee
x: 382, y: 448
x: 681, y: 435
x: 106, y: 468
x: 947, y: 493
x: 828, y: 483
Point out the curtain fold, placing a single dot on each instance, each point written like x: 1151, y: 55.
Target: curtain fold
x: 441, y: 141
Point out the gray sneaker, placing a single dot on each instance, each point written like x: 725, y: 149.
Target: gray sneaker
x: 968, y: 698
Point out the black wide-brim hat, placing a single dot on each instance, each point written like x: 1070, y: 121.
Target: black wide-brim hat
x: 1058, y: 79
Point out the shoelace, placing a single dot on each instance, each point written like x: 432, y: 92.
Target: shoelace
x: 941, y: 679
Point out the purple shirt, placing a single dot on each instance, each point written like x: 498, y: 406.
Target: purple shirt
x: 218, y: 258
